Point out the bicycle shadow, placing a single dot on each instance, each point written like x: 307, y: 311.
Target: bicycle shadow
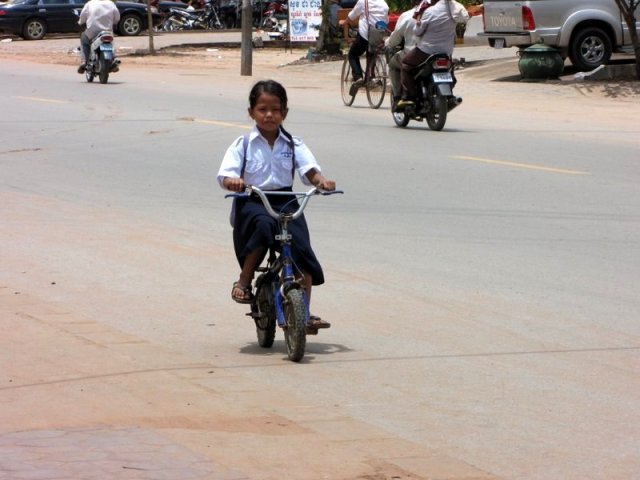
x: 279, y: 348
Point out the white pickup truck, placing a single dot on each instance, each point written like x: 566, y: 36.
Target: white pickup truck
x: 586, y: 31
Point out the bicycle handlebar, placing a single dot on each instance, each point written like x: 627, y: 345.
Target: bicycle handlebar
x: 249, y: 189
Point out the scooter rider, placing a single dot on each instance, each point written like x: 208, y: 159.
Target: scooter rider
x: 98, y: 15
x: 435, y: 32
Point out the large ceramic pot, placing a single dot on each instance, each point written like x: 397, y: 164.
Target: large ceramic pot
x: 539, y: 62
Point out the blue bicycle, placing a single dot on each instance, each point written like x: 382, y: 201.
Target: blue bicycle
x: 279, y: 298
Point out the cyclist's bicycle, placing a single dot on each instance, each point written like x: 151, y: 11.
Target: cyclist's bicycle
x: 375, y: 77
x: 279, y: 298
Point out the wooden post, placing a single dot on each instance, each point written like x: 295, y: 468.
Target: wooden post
x: 246, y: 45
x: 152, y: 50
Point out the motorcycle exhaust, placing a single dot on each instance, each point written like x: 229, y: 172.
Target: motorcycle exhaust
x: 115, y: 66
x: 453, y: 102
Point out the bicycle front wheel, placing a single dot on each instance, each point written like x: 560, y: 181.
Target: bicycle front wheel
x: 376, y: 85
x: 295, y: 332
x: 345, y: 84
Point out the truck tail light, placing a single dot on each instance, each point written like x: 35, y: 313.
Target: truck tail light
x: 528, y: 22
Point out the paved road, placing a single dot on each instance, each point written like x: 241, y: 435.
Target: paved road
x: 485, y: 324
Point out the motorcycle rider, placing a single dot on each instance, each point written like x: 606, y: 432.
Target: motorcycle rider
x: 98, y: 15
x: 397, y: 45
x: 368, y: 13
x: 435, y: 32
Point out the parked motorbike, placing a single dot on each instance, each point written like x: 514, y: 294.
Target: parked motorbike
x: 435, y: 98
x: 101, y: 61
x: 276, y: 18
x: 185, y: 19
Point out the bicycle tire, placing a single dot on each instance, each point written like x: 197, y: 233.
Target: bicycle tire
x: 265, y: 308
x: 345, y: 83
x: 295, y: 332
x: 376, y: 86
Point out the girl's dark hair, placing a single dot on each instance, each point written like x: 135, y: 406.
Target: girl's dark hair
x: 271, y: 87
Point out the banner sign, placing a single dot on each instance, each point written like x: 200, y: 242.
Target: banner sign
x: 305, y: 18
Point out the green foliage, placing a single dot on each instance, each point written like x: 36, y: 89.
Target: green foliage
x: 399, y: 5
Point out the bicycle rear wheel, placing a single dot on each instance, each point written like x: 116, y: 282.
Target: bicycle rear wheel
x: 263, y: 310
x: 345, y: 84
x: 295, y: 332
x: 376, y: 85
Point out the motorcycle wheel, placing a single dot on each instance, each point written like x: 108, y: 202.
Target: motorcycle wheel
x: 168, y: 25
x: 437, y: 114
x: 103, y: 72
x: 400, y: 118
x: 295, y: 333
x: 216, y: 24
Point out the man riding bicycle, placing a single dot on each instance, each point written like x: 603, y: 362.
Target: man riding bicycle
x: 368, y: 13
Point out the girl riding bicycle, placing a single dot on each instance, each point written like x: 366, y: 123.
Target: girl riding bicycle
x: 268, y: 158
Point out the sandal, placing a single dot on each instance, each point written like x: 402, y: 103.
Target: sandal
x: 316, y: 322
x: 245, y: 297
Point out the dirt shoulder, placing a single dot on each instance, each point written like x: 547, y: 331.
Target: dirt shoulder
x: 222, y: 54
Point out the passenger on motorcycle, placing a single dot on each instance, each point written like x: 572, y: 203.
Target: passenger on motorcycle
x: 98, y: 15
x: 397, y: 45
x: 435, y: 32
x: 368, y: 13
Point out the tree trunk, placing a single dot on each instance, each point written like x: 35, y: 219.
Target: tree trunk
x: 323, y: 34
x: 628, y: 9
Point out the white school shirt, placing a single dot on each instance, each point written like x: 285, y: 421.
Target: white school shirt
x: 437, y: 31
x: 378, y: 11
x: 403, y: 31
x: 265, y: 168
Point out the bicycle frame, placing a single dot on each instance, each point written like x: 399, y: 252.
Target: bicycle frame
x: 282, y: 266
x: 279, y: 299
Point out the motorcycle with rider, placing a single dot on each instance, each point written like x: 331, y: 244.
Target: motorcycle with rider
x: 426, y: 70
x: 96, y: 41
